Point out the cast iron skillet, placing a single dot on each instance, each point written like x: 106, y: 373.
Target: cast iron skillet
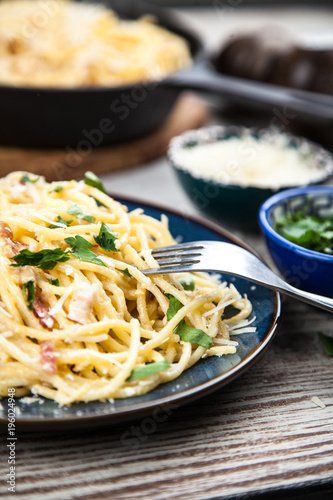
x: 82, y: 118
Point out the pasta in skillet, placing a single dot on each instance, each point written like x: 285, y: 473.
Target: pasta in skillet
x: 73, y: 44
x: 79, y: 321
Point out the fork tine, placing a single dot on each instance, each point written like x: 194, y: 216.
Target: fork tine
x: 174, y: 255
x: 180, y: 261
x: 176, y: 258
x: 177, y: 248
x: 169, y: 269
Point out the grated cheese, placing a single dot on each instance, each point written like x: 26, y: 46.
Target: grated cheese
x: 317, y: 401
x: 247, y: 161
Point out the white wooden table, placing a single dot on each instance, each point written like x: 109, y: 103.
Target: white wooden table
x: 268, y: 434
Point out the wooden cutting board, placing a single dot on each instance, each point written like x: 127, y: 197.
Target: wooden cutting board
x: 55, y: 164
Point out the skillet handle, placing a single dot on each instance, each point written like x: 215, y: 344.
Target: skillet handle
x: 202, y: 78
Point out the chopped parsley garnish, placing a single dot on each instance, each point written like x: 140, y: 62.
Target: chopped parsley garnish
x: 174, y: 306
x: 193, y: 335
x: 81, y: 250
x: 187, y: 283
x: 307, y: 231
x: 190, y: 144
x: 327, y: 343
x: 106, y: 239
x: 125, y: 271
x: 54, y: 282
x: 28, y: 292
x: 148, y: 369
x: 92, y: 180
x: 186, y: 333
x: 56, y: 189
x: 75, y: 210
x: 100, y: 203
x: 62, y: 221
x: 44, y: 259
x: 27, y: 178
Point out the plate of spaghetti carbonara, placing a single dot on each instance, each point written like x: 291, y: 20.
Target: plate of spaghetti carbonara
x: 84, y: 334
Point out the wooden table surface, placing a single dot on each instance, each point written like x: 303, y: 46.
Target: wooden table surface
x: 268, y: 434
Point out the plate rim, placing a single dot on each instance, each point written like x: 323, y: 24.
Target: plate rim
x: 141, y: 409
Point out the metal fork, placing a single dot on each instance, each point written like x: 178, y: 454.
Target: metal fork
x: 228, y: 258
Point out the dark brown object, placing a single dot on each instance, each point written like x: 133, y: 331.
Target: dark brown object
x: 273, y: 57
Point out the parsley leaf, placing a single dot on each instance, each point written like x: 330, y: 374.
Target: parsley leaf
x: 75, y: 210
x: 125, y: 271
x: 56, y: 189
x: 106, y: 239
x: 44, y: 259
x: 187, y: 283
x: 148, y: 369
x: 327, y: 343
x: 27, y: 178
x: 100, y: 203
x: 193, y: 335
x: 81, y: 250
x: 92, y: 180
x: 62, y: 221
x: 54, y: 282
x: 308, y: 231
x: 186, y: 333
x: 174, y: 306
x: 28, y: 292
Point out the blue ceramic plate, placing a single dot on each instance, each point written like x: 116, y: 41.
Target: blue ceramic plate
x: 206, y: 376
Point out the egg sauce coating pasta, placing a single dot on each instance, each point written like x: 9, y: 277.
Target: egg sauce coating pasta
x: 69, y: 44
x: 79, y: 321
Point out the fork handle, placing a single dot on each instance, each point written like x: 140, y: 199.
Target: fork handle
x: 325, y: 303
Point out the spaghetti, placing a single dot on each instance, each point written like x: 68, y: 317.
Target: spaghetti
x: 79, y: 321
x: 72, y: 44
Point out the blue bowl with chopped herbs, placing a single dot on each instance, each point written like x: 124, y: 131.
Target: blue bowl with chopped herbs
x: 298, y: 228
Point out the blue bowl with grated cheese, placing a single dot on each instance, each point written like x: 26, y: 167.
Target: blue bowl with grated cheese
x: 229, y: 171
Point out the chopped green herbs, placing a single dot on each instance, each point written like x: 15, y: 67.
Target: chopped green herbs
x: 174, y: 306
x: 186, y: 333
x: 125, y: 271
x: 56, y: 189
x: 106, y: 239
x: 100, y: 203
x: 89, y: 218
x: 187, y: 283
x: 75, y: 210
x: 27, y: 178
x: 61, y: 221
x: 81, y: 250
x: 44, y: 259
x: 28, y: 292
x: 307, y: 231
x: 327, y: 343
x: 190, y: 144
x: 193, y: 335
x: 148, y: 369
x: 54, y: 282
x: 92, y: 180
